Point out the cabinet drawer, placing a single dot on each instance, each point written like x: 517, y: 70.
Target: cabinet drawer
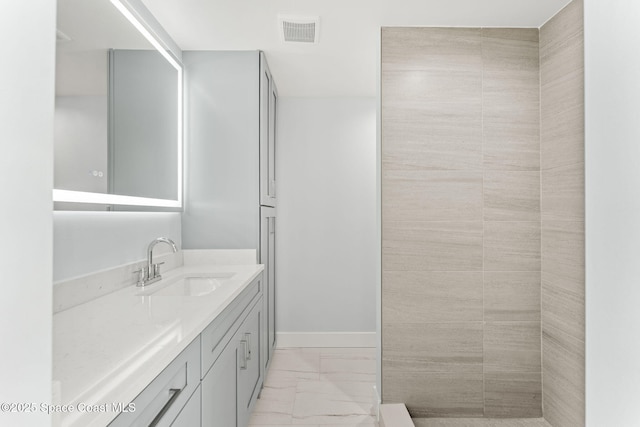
x: 162, y: 400
x: 190, y: 416
x: 216, y: 336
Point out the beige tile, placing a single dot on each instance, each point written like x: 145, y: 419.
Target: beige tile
x: 563, y: 255
x: 562, y: 196
x: 562, y: 309
x: 424, y: 296
x: 431, y: 195
x: 563, y: 378
x: 511, y: 246
x: 511, y: 71
x: 512, y: 296
x: 565, y: 28
x: 511, y: 144
x: 432, y: 246
x: 440, y: 93
x: 432, y: 394
x: 562, y: 121
x: 418, y: 139
x: 512, y: 347
x: 511, y: 118
x: 511, y: 196
x: 562, y: 98
x: 432, y: 119
x: 432, y: 347
x: 562, y: 137
x: 512, y: 49
x: 420, y: 48
x: 567, y: 59
x: 513, y: 394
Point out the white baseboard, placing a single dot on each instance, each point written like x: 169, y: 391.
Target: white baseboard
x: 325, y: 339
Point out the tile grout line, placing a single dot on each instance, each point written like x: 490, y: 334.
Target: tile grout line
x: 541, y: 218
x: 482, y: 149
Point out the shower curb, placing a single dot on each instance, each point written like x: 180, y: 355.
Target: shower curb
x: 395, y: 415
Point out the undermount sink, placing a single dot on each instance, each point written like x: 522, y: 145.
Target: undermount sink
x: 191, y: 285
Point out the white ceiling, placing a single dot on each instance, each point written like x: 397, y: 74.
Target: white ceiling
x: 344, y: 63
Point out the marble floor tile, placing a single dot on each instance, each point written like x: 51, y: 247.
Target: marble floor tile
x: 480, y: 422
x: 348, y: 364
x: 324, y: 402
x: 275, y: 404
x: 295, y: 363
x: 312, y: 387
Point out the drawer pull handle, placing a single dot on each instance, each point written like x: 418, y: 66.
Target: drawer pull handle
x: 243, y: 365
x: 247, y: 338
x: 173, y: 395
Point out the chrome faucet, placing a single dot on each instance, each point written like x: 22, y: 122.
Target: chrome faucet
x: 151, y: 273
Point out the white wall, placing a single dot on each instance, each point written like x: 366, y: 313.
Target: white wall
x: 85, y: 242
x: 326, y: 233
x: 27, y: 29
x: 612, y: 97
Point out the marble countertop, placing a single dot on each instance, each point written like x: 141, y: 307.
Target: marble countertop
x: 106, y: 351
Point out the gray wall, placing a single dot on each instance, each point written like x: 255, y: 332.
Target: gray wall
x: 326, y: 236
x: 461, y: 221
x: 562, y: 203
x: 26, y: 180
x: 612, y: 98
x: 86, y: 242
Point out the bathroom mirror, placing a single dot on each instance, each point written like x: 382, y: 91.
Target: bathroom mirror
x: 118, y: 109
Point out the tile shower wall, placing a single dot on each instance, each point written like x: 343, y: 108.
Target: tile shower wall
x: 461, y: 221
x: 562, y: 202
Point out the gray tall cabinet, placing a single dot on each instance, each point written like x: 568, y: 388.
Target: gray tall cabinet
x: 230, y: 183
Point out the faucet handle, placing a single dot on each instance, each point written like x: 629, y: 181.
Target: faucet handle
x: 142, y: 275
x: 156, y: 269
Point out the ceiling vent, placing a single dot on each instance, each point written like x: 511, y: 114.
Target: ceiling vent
x: 299, y: 29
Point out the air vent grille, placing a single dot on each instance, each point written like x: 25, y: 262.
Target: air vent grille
x: 295, y: 29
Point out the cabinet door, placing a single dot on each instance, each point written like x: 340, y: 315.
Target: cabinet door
x: 273, y: 130
x: 190, y: 414
x: 219, y: 390
x: 267, y: 135
x: 249, y: 363
x: 271, y: 286
x: 268, y: 258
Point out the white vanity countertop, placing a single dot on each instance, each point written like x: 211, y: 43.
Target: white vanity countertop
x: 108, y: 350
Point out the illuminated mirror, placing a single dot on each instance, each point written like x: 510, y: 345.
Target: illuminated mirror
x: 118, y: 109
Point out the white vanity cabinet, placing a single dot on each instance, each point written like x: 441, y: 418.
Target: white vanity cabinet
x: 216, y: 380
x: 230, y: 188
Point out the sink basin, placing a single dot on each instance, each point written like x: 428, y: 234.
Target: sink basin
x: 192, y: 285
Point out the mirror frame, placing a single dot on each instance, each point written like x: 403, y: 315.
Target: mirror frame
x: 142, y: 19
